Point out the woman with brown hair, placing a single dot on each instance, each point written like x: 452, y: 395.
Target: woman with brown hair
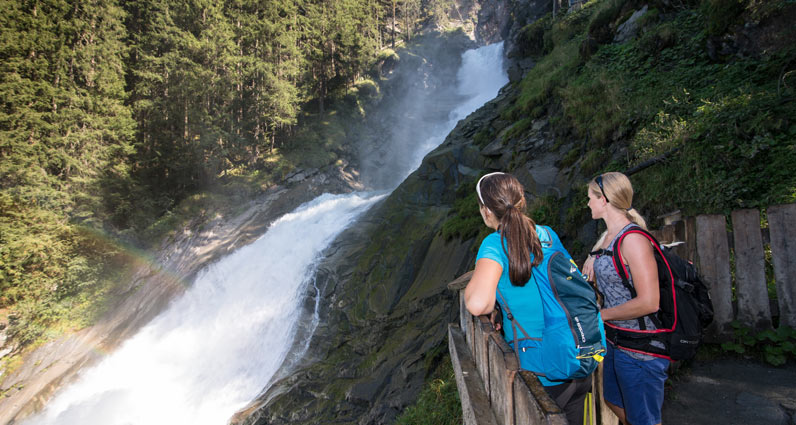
x: 505, y: 263
x: 632, y: 381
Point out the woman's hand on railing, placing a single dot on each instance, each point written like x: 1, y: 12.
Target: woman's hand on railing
x: 496, y: 318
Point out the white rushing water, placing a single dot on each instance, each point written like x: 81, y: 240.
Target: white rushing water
x: 214, y: 348
x: 479, y: 79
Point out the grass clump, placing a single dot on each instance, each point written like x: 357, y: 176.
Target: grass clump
x: 464, y: 220
x: 438, y: 402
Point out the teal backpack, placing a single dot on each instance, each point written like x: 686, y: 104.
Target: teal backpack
x: 573, y: 340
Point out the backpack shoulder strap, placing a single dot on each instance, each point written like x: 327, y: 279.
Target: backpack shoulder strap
x: 616, y: 253
x: 510, y: 316
x: 543, y: 230
x: 660, y: 260
x: 621, y: 269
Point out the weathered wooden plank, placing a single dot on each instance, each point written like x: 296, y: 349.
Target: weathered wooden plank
x: 667, y: 234
x: 750, y: 272
x: 658, y: 234
x: 464, y: 316
x: 461, y: 281
x: 691, y: 239
x: 481, y: 353
x: 713, y: 255
x: 475, y: 403
x: 470, y: 332
x: 782, y: 231
x: 679, y: 244
x: 502, y: 368
x: 532, y: 404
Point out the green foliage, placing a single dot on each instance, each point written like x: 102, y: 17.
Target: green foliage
x: 531, y: 40
x: 483, y: 137
x: 569, y: 158
x: 464, y: 220
x: 603, y: 22
x: 66, y: 136
x: 592, y: 161
x: 721, y: 14
x: 544, y: 210
x: 773, y: 346
x: 517, y: 129
x: 438, y: 402
x: 593, y: 104
x: 551, y: 73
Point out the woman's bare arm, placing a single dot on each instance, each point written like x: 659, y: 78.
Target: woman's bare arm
x: 637, y: 252
x: 479, y: 295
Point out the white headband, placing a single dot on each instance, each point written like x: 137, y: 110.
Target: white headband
x: 478, y: 185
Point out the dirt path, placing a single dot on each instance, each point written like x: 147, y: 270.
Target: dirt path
x: 731, y: 392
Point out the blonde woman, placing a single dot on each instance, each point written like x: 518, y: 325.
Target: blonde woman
x: 632, y: 381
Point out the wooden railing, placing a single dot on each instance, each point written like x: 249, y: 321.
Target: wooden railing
x: 493, y: 390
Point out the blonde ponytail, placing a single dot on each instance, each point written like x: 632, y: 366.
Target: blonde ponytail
x: 636, y: 218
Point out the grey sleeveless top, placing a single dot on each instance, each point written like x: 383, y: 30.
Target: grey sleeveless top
x: 615, y: 293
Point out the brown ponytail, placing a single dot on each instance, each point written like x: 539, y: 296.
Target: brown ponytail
x: 504, y: 195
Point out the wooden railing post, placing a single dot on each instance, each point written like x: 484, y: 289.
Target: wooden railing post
x: 713, y: 254
x: 482, y: 334
x: 502, y: 368
x: 476, y: 409
x: 750, y: 273
x: 781, y: 219
x: 532, y: 404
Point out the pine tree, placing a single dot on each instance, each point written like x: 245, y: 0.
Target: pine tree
x: 65, y: 134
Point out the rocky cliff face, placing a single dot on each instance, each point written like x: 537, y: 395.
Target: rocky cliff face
x: 503, y: 20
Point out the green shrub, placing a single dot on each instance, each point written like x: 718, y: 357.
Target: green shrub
x: 721, y: 14
x: 532, y: 37
x: 483, y: 137
x: 773, y: 346
x: 570, y: 158
x: 518, y: 128
x: 601, y: 25
x: 544, y: 210
x: 438, y: 402
x: 464, y: 221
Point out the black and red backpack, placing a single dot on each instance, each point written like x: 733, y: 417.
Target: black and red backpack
x: 685, y: 307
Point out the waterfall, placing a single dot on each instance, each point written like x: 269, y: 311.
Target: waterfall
x: 215, y: 347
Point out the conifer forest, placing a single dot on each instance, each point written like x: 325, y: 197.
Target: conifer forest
x: 115, y: 111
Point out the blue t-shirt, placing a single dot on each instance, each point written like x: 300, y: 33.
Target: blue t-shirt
x: 524, y: 301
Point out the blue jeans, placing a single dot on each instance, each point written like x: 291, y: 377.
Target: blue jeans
x: 635, y: 385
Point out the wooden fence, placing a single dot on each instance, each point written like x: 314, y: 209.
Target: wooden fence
x: 493, y: 390
x: 715, y: 247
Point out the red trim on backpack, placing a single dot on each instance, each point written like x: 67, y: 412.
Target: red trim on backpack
x: 617, y: 253
x: 660, y: 356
